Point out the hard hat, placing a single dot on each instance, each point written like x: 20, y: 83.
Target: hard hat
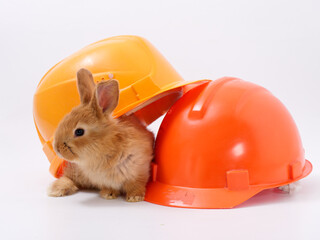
x: 222, y: 143
x: 148, y: 85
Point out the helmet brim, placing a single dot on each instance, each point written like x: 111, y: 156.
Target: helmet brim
x: 175, y: 87
x: 208, y: 198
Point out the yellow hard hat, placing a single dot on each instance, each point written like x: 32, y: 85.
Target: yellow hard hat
x: 149, y: 85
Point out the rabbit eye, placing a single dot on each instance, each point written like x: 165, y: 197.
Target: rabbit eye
x: 78, y: 132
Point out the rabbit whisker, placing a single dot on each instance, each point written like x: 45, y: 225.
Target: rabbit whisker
x: 69, y: 148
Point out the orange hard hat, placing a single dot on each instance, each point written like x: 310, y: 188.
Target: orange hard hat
x: 149, y: 85
x: 223, y: 142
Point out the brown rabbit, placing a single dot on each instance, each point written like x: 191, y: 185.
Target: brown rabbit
x: 112, y: 155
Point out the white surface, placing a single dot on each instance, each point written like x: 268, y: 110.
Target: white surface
x: 271, y: 43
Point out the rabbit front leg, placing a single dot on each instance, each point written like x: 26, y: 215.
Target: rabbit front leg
x: 62, y: 187
x: 135, y: 190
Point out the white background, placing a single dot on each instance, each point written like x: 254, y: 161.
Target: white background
x: 272, y: 43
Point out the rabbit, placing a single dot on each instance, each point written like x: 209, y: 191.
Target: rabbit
x: 103, y: 153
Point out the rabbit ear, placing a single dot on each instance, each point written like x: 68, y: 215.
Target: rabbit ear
x: 85, y: 85
x: 107, y: 96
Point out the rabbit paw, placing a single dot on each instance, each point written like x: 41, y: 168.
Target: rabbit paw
x: 62, y: 187
x: 289, y: 188
x: 135, y: 191
x: 108, y: 193
x: 134, y: 198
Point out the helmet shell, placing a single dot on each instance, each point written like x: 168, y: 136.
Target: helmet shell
x: 222, y: 143
x: 149, y: 85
